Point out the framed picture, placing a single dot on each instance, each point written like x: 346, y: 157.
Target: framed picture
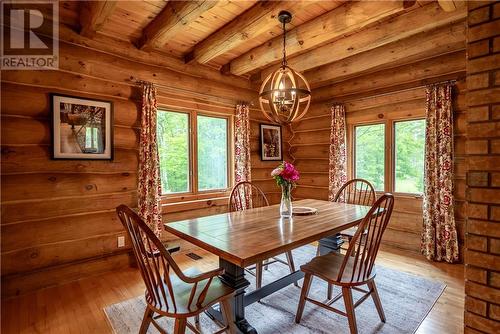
x: 270, y: 143
x: 81, y: 128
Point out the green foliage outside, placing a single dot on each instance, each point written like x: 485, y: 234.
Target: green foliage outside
x: 173, y: 149
x: 410, y: 150
x: 369, y: 160
x: 212, y: 153
x: 409, y: 155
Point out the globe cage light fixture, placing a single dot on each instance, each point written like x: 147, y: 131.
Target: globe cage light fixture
x: 285, y: 95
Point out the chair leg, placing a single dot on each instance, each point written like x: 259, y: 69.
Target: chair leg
x: 227, y: 314
x: 303, y: 295
x: 258, y: 275
x: 349, y: 308
x: 146, y: 320
x: 376, y: 300
x: 266, y: 264
x: 180, y: 326
x: 291, y: 264
x: 329, y: 293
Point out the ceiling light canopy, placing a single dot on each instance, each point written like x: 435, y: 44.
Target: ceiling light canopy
x: 285, y: 95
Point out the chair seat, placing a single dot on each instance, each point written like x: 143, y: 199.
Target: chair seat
x: 182, y: 292
x: 328, y: 267
x: 350, y: 232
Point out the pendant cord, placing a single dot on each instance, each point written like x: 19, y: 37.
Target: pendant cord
x: 284, y: 45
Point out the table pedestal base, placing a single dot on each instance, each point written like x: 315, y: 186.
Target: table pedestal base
x: 234, y: 276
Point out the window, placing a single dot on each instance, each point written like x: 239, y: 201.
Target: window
x: 173, y: 149
x: 369, y: 154
x: 409, y: 143
x: 390, y: 154
x: 193, y: 161
x: 212, y: 153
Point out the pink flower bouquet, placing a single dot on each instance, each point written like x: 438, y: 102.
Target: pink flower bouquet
x: 285, y: 174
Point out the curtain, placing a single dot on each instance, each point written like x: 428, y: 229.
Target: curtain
x: 149, y: 166
x: 439, y: 234
x: 337, y: 169
x: 242, y: 167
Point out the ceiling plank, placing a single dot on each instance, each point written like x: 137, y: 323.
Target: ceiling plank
x: 426, y: 44
x: 173, y: 18
x: 451, y: 5
x: 258, y: 20
x: 344, y: 19
x: 422, y: 19
x: 93, y: 16
x: 402, y: 76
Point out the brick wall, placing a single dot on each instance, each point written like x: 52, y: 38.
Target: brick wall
x: 482, y: 255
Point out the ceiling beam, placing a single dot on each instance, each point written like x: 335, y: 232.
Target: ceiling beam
x: 172, y: 19
x: 259, y: 19
x: 423, y: 45
x: 451, y: 5
x: 93, y: 15
x: 404, y: 76
x: 333, y: 24
x: 422, y: 19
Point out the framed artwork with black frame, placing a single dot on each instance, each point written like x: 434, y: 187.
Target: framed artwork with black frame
x: 81, y: 128
x: 271, y: 146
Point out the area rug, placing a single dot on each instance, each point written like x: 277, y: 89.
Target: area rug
x: 406, y: 298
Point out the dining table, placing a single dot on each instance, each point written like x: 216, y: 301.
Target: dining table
x: 244, y: 238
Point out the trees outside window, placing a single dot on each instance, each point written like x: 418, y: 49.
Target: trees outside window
x: 369, y: 154
x: 409, y: 145
x: 390, y: 155
x: 193, y: 151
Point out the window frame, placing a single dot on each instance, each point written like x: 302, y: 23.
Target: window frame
x: 193, y: 193
x: 353, y: 156
x: 389, y: 149
x: 393, y: 157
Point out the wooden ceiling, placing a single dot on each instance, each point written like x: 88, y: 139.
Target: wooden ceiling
x: 328, y: 41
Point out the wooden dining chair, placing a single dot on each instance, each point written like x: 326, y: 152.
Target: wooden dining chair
x: 169, y: 291
x: 244, y: 196
x: 352, y: 270
x: 355, y: 191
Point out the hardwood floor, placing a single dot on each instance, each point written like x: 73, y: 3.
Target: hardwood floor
x: 77, y: 307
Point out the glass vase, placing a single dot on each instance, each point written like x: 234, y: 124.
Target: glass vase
x: 286, y: 201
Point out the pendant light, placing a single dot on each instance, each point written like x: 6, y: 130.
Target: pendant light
x: 285, y: 95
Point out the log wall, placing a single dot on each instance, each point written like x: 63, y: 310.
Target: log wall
x: 376, y: 97
x: 58, y: 221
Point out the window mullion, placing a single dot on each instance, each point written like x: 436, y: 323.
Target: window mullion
x: 389, y: 157
x: 194, y: 152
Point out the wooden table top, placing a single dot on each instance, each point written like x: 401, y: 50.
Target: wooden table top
x: 246, y: 237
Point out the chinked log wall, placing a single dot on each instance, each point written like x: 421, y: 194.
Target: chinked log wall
x: 391, y: 93
x: 58, y: 221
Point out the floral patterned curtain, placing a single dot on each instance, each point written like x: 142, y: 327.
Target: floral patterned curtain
x: 149, y: 166
x: 242, y: 166
x: 337, y: 174
x: 439, y: 235
x: 243, y: 171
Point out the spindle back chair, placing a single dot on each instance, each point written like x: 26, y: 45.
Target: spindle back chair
x: 353, y: 269
x: 169, y: 292
x: 356, y: 191
x: 245, y: 195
